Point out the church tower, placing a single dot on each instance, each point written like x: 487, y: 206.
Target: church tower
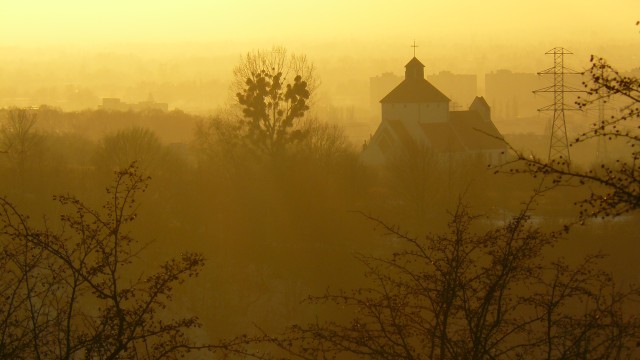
x: 414, y: 70
x: 415, y: 114
x: 480, y: 105
x: 415, y: 100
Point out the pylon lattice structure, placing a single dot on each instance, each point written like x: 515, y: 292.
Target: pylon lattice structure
x: 559, y: 144
x: 601, y: 149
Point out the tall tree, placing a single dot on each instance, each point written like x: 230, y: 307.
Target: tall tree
x: 274, y: 90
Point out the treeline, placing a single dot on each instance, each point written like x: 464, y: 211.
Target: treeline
x: 273, y: 229
x: 279, y: 204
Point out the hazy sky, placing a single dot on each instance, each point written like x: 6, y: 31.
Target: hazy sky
x: 88, y: 22
x: 112, y: 46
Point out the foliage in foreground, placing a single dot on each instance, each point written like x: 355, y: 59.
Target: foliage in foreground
x: 615, y: 184
x: 80, y: 291
x: 466, y: 294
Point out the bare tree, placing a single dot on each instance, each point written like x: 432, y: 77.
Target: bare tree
x: 323, y: 142
x: 278, y: 60
x: 117, y: 150
x: 219, y: 145
x: 465, y: 294
x: 18, y: 137
x: 615, y: 184
x: 274, y: 91
x: 79, y: 292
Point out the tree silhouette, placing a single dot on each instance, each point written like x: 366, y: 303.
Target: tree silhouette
x: 136, y: 144
x: 275, y: 93
x: 468, y: 294
x: 616, y: 184
x: 19, y: 138
x: 80, y: 292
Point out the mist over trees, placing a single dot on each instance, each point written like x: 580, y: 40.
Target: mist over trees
x: 425, y: 257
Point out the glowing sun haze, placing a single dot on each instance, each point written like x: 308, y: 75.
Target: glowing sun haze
x: 48, y: 22
x: 130, y: 48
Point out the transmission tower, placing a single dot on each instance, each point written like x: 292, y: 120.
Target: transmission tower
x: 601, y: 149
x: 559, y: 144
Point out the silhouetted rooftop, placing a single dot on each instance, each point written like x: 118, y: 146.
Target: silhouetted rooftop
x: 465, y: 131
x: 415, y: 91
x: 414, y: 62
x: 480, y: 100
x: 475, y: 132
x: 403, y: 135
x: 442, y: 137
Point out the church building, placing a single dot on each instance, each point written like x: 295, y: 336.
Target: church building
x: 416, y: 114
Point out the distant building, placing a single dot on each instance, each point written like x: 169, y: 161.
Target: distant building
x: 416, y: 114
x: 380, y: 85
x: 115, y: 104
x: 511, y: 94
x: 460, y: 88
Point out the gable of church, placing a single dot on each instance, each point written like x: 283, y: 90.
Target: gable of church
x: 417, y: 91
x: 460, y: 132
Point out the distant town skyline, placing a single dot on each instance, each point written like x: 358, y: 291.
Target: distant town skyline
x: 72, y: 53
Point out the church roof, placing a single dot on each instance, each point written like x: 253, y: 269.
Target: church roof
x: 414, y: 62
x: 403, y: 134
x: 475, y: 132
x: 465, y: 131
x: 480, y: 101
x: 415, y: 88
x: 470, y: 131
x: 415, y: 91
x: 442, y: 137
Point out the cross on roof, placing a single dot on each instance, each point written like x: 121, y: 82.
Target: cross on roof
x: 414, y: 46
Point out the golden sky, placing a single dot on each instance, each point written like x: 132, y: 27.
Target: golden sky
x: 89, y: 22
